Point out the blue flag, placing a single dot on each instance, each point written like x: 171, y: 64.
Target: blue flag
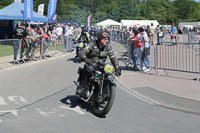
x: 28, y: 9
x: 51, y: 9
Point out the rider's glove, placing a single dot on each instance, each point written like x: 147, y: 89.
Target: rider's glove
x: 88, y: 61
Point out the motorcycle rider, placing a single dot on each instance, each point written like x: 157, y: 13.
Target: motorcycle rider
x: 93, y: 34
x: 84, y: 37
x: 92, y: 54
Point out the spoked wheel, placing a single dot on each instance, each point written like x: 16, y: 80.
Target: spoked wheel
x: 103, y: 104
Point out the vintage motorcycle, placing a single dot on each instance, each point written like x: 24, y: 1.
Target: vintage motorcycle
x: 101, y: 92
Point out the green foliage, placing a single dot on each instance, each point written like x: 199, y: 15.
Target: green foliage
x: 165, y: 11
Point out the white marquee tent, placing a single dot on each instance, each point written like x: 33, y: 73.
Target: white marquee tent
x: 139, y: 23
x: 108, y: 22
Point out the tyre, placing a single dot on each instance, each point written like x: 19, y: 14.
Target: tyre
x: 103, y: 106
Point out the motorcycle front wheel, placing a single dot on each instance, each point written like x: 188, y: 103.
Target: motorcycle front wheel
x: 103, y: 104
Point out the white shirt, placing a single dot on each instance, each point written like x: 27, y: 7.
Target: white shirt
x: 59, y: 31
x: 69, y: 32
x: 144, y: 36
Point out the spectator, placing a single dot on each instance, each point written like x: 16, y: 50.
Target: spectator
x: 69, y: 36
x: 77, y: 31
x: 59, y: 32
x: 173, y: 31
x: 27, y: 41
x: 19, y: 33
x: 93, y: 34
x: 157, y: 30
x: 137, y: 51
x: 160, y: 36
x: 152, y: 32
x: 146, y: 50
x: 45, y: 36
x: 53, y: 35
x: 35, y: 41
x: 148, y: 31
x: 68, y: 25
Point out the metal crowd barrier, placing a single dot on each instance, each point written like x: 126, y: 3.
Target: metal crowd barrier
x: 12, y: 50
x: 191, y: 37
x: 8, y: 49
x: 174, y: 56
x: 184, y: 57
x: 119, y: 36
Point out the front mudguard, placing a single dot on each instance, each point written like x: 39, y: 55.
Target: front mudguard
x: 112, y: 82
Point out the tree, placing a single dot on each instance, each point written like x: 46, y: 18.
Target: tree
x: 183, y: 9
x: 165, y: 11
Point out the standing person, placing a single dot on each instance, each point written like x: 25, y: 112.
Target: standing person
x: 19, y: 33
x: 137, y: 51
x: 76, y: 31
x: 68, y: 25
x: 68, y: 35
x: 173, y: 31
x: 44, y: 33
x: 59, y: 32
x: 152, y: 33
x: 28, y: 42
x: 53, y: 35
x: 146, y: 49
x: 160, y: 36
x: 157, y: 30
x: 148, y: 31
x: 107, y: 31
x: 93, y: 34
x: 35, y: 42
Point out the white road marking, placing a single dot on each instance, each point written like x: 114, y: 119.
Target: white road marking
x: 77, y: 109
x: 0, y: 120
x: 45, y: 114
x: 61, y: 115
x: 2, y: 102
x: 14, y: 112
x: 17, y: 99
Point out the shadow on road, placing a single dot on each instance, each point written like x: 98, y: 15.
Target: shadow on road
x: 72, y: 101
x: 74, y: 60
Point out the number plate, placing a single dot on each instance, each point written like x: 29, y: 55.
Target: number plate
x: 108, y: 68
x: 81, y: 45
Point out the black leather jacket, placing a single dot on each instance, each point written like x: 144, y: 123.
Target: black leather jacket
x: 93, y: 54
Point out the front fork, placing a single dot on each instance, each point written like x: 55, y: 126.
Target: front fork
x: 101, y: 86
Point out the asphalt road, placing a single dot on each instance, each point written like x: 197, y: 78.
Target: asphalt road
x: 39, y: 98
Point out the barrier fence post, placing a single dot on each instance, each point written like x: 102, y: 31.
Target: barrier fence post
x: 42, y: 48
x: 156, y: 58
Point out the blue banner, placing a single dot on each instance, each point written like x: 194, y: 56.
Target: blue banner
x: 28, y: 9
x: 51, y: 9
